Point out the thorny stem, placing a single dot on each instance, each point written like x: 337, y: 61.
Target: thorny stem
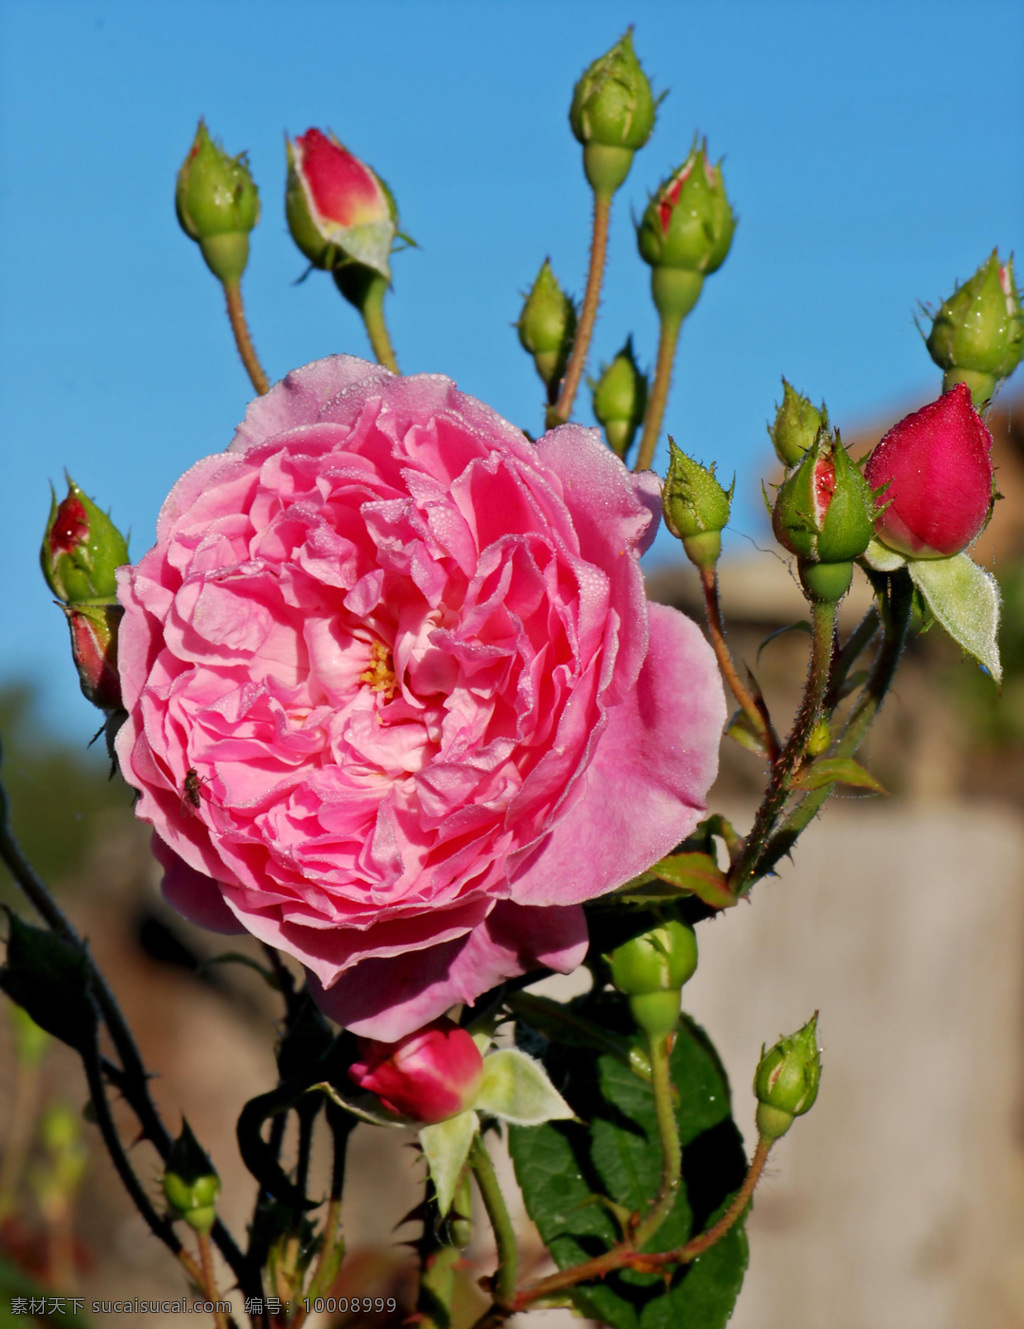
x: 668, y: 339
x: 626, y: 1255
x: 239, y: 326
x: 133, y: 1078
x: 896, y: 621
x: 209, y: 1283
x: 716, y: 631
x: 588, y: 314
x: 497, y: 1212
x: 859, y: 639
x: 823, y: 626
x: 668, y: 1134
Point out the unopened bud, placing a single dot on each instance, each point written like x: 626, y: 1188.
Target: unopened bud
x: 787, y: 1079
x: 217, y: 204
x: 547, y: 326
x: 696, y: 507
x: 824, y: 513
x: 620, y: 399
x: 190, y: 1183
x: 612, y: 114
x: 686, y: 232
x: 81, y: 550
x: 977, y: 337
x: 651, y: 970
x: 796, y: 425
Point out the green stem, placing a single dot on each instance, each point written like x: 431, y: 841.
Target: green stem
x: 823, y: 627
x: 858, y: 640
x: 365, y: 288
x: 240, y: 328
x: 588, y: 313
x: 900, y: 602
x: 497, y: 1212
x: 376, y: 328
x: 668, y: 1134
x: 668, y: 340
x: 626, y: 1256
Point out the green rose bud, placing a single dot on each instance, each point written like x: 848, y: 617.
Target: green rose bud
x: 651, y: 969
x: 547, y: 326
x: 796, y: 426
x: 612, y: 114
x: 218, y: 205
x: 685, y: 233
x: 787, y: 1079
x: 977, y: 336
x: 81, y: 550
x: 696, y: 507
x: 190, y: 1183
x: 824, y: 513
x: 620, y: 399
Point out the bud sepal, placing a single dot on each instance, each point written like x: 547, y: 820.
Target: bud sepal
x: 218, y: 204
x: 824, y: 511
x: 977, y: 336
x: 620, y: 399
x: 612, y: 114
x: 688, y: 223
x: 547, y: 326
x: 190, y: 1182
x: 81, y: 550
x: 796, y: 425
x: 787, y: 1080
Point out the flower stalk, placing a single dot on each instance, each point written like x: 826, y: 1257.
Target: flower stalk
x: 562, y: 409
x: 497, y: 1213
x: 243, y: 340
x: 668, y: 340
x: 668, y: 1135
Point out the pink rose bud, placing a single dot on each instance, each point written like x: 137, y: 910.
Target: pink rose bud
x: 94, y: 648
x: 937, y: 468
x: 337, y: 208
x: 429, y: 1076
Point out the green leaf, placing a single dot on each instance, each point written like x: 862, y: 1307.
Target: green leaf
x: 697, y: 873
x: 569, y: 1171
x: 517, y: 1089
x: 49, y: 978
x: 801, y: 625
x: 965, y: 600
x: 881, y: 558
x: 446, y: 1148
x: 836, y: 770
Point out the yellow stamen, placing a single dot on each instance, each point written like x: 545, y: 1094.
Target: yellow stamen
x: 381, y: 673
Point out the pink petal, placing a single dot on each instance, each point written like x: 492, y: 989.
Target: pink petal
x: 645, y: 787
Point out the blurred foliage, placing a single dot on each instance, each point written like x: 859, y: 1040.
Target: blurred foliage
x: 58, y: 791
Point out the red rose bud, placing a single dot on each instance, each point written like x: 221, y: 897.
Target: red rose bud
x: 977, y: 337
x: 191, y: 1184
x: 695, y: 506
x: 218, y: 205
x: 686, y: 232
x: 81, y: 550
x: 787, y: 1079
x: 94, y: 649
x: 620, y: 399
x: 796, y: 425
x: 547, y: 326
x: 651, y: 970
x: 824, y: 513
x: 429, y: 1076
x: 612, y: 115
x: 337, y: 208
x: 936, y: 470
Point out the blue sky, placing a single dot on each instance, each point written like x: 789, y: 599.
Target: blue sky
x: 874, y: 153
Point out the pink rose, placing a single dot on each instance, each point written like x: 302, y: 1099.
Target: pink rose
x: 937, y: 467
x: 397, y: 702
x: 429, y: 1076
